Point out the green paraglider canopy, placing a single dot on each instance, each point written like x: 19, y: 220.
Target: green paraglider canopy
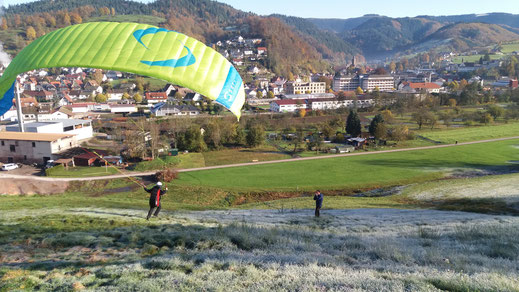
x: 131, y: 47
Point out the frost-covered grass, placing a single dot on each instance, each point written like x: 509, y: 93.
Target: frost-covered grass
x: 258, y: 250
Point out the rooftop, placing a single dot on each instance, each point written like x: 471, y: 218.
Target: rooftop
x: 26, y: 136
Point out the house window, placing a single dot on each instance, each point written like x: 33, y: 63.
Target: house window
x: 33, y: 144
x: 16, y: 143
x: 3, y: 144
x: 12, y: 148
x: 25, y: 157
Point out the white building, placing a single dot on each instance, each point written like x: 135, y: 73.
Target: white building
x: 366, y: 82
x: 329, y: 104
x: 345, y: 83
x: 123, y: 108
x: 33, y: 147
x: 380, y: 82
x: 82, y: 129
x: 287, y: 105
x: 309, y: 87
x: 57, y: 115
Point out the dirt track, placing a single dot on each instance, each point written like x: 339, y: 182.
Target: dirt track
x: 31, y: 187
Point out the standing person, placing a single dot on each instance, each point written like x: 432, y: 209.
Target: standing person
x: 156, y: 194
x: 318, y: 197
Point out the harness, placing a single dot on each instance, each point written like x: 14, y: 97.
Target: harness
x: 157, y: 200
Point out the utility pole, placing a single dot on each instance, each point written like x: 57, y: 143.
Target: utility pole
x: 19, y: 108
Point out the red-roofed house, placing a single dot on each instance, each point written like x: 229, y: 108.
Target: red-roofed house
x: 156, y: 97
x: 262, y: 50
x: 428, y: 87
x: 42, y: 95
x: 27, y: 101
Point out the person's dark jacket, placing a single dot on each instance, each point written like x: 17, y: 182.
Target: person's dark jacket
x: 156, y: 194
x: 318, y: 200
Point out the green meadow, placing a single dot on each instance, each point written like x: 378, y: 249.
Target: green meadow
x: 354, y: 172
x: 467, y: 134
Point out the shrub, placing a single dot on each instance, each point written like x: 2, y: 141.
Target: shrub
x: 167, y: 175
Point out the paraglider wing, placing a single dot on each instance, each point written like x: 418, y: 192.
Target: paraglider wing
x: 131, y: 47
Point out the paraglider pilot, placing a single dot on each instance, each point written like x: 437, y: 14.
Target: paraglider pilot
x: 318, y: 197
x: 156, y: 194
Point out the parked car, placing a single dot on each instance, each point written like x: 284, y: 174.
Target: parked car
x: 49, y: 164
x: 9, y: 166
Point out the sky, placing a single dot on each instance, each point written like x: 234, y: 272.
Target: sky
x: 350, y: 8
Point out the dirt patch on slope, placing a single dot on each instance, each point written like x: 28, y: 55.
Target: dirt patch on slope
x: 31, y: 187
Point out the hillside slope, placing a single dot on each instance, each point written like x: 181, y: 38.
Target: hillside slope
x: 463, y: 36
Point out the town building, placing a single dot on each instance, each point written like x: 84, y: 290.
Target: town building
x: 156, y: 97
x: 345, y: 83
x: 176, y: 110
x: 308, y: 87
x: 288, y: 105
x: 413, y: 87
x: 30, y: 147
x: 328, y: 104
x: 380, y: 82
x: 366, y: 82
x: 123, y: 108
x: 82, y: 129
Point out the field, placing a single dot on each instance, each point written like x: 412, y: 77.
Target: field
x: 358, y: 172
x: 510, y: 47
x: 474, y: 58
x: 450, y: 136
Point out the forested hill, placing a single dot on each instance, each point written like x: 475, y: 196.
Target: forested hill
x: 290, y: 51
x: 329, y: 44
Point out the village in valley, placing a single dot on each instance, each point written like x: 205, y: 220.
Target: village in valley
x: 189, y: 145
x: 78, y: 104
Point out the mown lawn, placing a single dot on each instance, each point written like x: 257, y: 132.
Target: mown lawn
x: 374, y: 170
x: 467, y: 134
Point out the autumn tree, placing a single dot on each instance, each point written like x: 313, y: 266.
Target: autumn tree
x: 495, y: 111
x: 255, y: 136
x: 452, y: 102
x: 270, y: 95
x: 137, y: 97
x: 378, y: 119
x: 359, y: 90
x: 30, y: 33
x: 259, y: 94
x: 126, y: 96
x: 392, y: 66
x: 101, y: 98
x: 76, y: 18
x: 66, y: 19
x: 98, y: 76
x: 380, y: 131
x: 3, y: 26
